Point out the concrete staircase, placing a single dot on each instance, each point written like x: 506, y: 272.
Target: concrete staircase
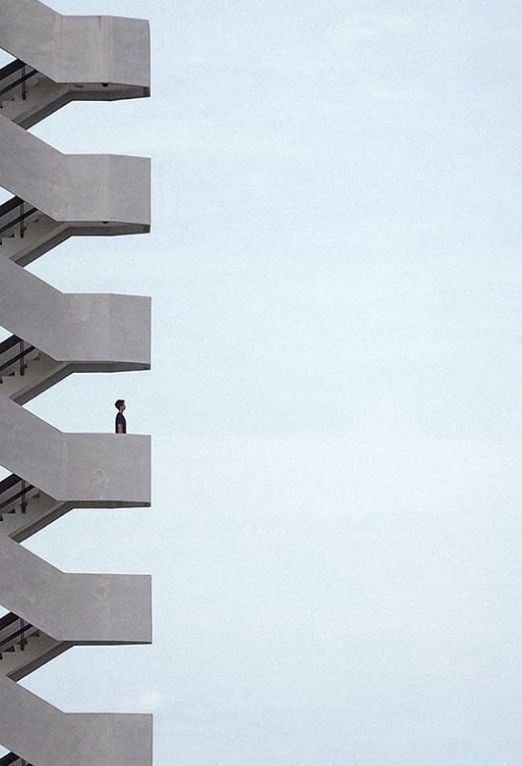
x: 59, y: 59
x: 41, y: 734
x: 28, y: 96
x: 24, y: 510
x: 24, y: 648
x: 25, y: 371
x: 26, y: 233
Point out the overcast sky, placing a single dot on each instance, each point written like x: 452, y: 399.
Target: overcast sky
x: 336, y: 399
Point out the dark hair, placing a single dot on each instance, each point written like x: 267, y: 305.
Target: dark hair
x: 119, y: 403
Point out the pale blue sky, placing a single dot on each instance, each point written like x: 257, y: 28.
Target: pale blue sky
x: 336, y: 405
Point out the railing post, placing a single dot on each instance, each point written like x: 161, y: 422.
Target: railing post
x: 22, y: 364
x: 23, y: 639
x: 24, y: 496
x: 22, y: 224
x: 24, y: 84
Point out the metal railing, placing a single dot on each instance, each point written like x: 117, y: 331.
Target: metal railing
x: 7, y: 620
x: 14, y: 68
x: 20, y: 636
x: 20, y: 495
x: 19, y: 220
x: 10, y: 758
x: 6, y: 207
x: 20, y: 357
x: 5, y: 486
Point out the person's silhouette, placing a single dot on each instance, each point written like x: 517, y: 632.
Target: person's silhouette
x: 121, y: 423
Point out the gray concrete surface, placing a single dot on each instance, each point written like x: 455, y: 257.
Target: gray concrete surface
x: 80, y: 469
x: 80, y: 328
x: 76, y: 49
x: 80, y: 608
x: 73, y: 188
x: 41, y: 510
x: 75, y: 58
x: 38, y: 649
x: 45, y: 736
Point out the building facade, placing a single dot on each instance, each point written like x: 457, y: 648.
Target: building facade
x: 58, y: 59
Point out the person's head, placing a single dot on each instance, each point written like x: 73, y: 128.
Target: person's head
x: 120, y: 405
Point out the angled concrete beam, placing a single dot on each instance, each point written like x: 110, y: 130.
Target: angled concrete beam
x: 78, y: 469
x: 99, y: 331
x: 77, y: 608
x: 44, y: 735
x: 76, y: 49
x: 73, y: 188
x: 61, y: 58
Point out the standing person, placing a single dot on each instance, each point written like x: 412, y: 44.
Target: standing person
x: 121, y: 423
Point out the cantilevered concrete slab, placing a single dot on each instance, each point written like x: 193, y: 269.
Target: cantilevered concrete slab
x: 77, y: 49
x: 41, y: 734
x: 59, y: 59
x: 95, y: 329
x: 73, y: 188
x: 80, y: 469
x: 77, y: 608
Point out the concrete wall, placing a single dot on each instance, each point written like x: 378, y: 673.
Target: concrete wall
x: 79, y: 469
x: 81, y: 608
x: 75, y: 328
x: 73, y: 188
x: 76, y: 49
x: 89, y: 194
x: 45, y: 736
